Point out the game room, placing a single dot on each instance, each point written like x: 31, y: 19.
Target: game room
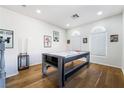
x: 61, y: 46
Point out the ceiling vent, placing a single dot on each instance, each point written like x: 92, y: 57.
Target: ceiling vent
x: 24, y: 5
x: 75, y: 16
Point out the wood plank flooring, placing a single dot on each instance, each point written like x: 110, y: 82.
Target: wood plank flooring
x: 95, y: 76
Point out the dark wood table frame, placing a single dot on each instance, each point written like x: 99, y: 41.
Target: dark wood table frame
x: 59, y: 62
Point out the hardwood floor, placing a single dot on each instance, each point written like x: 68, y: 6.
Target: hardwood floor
x: 95, y: 76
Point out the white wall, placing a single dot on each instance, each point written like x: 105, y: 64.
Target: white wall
x: 113, y: 25
x: 26, y: 28
x: 123, y: 45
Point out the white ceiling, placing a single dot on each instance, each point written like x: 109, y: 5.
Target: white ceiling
x: 60, y: 15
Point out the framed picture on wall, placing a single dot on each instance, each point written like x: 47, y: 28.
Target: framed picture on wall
x: 84, y: 40
x: 55, y: 36
x: 114, y: 38
x: 47, y: 41
x: 7, y: 35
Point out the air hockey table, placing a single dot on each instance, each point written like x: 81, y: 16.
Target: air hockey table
x: 59, y: 59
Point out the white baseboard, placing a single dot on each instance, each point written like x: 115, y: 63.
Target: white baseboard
x: 122, y: 70
x: 107, y: 64
x: 35, y: 64
x: 10, y: 75
x: 16, y: 73
x: 91, y: 62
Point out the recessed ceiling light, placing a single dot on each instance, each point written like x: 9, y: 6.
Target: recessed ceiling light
x: 67, y: 25
x: 38, y: 11
x: 99, y: 13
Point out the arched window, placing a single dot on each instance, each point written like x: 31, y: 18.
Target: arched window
x: 98, y: 41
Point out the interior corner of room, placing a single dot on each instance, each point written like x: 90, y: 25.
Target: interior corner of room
x: 101, y: 32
